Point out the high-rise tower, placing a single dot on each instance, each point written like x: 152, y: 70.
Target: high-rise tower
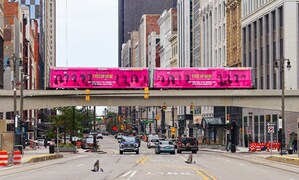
x: 129, y: 15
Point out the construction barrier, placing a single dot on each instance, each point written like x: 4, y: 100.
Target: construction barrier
x: 258, y: 147
x: 17, y: 157
x: 263, y: 146
x: 3, y: 158
x: 252, y: 147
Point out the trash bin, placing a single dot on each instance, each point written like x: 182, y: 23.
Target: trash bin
x: 233, y: 148
x: 51, y: 149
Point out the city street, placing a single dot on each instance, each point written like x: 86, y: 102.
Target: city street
x: 148, y: 165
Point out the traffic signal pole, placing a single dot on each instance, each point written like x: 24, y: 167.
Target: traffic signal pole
x: 163, y: 121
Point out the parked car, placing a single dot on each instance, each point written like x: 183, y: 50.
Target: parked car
x: 41, y: 142
x: 187, y: 144
x: 100, y: 136
x: 128, y: 144
x: 165, y: 146
x: 105, y: 133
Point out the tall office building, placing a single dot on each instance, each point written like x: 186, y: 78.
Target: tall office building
x: 196, y: 33
x: 270, y: 31
x: 233, y: 26
x: 1, y: 42
x: 129, y: 15
x: 36, y: 12
x: 184, y: 10
x: 213, y: 28
x: 50, y: 38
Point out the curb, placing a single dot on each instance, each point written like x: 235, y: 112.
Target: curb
x: 261, y: 161
x: 43, y: 158
x: 287, y: 160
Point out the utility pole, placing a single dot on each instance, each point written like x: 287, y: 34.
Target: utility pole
x: 14, y: 62
x: 172, y: 115
x: 21, y: 108
x: 279, y: 63
x: 73, y: 125
x: 94, y: 129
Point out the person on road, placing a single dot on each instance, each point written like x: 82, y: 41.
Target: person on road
x: 45, y: 143
x: 294, y: 145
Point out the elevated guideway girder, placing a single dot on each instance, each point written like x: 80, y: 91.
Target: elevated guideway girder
x: 262, y: 99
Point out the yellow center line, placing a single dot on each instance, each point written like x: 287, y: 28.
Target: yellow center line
x: 204, y: 174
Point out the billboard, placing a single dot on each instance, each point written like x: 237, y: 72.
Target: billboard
x: 101, y: 78
x: 214, y: 78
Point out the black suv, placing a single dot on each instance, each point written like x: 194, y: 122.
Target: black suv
x: 129, y: 144
x: 187, y: 144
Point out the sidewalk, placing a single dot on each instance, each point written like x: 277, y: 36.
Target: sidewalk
x: 42, y: 154
x: 292, y: 159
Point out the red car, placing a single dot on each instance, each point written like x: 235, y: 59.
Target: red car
x: 187, y: 144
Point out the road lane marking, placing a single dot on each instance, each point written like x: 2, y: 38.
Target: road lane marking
x: 242, y: 164
x: 133, y: 174
x: 80, y: 164
x: 183, y: 158
x: 126, y: 174
x: 204, y: 174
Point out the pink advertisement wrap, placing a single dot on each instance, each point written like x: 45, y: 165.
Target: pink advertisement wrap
x: 89, y: 78
x: 214, y: 78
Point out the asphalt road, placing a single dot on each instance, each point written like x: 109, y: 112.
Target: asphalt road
x: 146, y: 166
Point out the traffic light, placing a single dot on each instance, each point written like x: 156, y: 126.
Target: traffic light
x: 192, y: 108
x: 227, y: 118
x: 87, y: 97
x: 146, y: 93
x: 164, y: 108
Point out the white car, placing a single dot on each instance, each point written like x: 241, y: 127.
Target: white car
x: 40, y: 142
x: 152, y: 143
x: 100, y: 136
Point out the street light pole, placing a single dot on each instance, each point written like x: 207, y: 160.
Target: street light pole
x: 21, y: 107
x: 279, y: 63
x: 13, y: 62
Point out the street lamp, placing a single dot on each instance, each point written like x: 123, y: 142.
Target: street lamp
x: 23, y: 79
x: 15, y: 62
x: 279, y: 63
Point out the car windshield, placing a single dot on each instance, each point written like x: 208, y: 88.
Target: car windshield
x: 89, y: 140
x: 187, y: 140
x: 155, y: 140
x: 128, y: 139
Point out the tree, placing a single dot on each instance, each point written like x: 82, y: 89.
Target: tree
x: 69, y: 120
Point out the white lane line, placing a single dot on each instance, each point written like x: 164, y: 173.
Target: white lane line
x: 133, y: 174
x: 183, y: 158
x: 228, y: 160
x: 126, y: 174
x: 242, y: 164
x: 80, y: 164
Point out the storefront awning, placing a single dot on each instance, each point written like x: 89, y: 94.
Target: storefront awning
x: 211, y: 122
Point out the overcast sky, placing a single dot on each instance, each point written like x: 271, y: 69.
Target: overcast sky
x: 91, y: 27
x: 87, y: 34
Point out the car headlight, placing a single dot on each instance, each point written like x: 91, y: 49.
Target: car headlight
x: 136, y: 145
x: 121, y: 145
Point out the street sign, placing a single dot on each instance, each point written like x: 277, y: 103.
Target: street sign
x: 248, y: 130
x: 270, y: 129
x: 271, y: 124
x: 280, y: 123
